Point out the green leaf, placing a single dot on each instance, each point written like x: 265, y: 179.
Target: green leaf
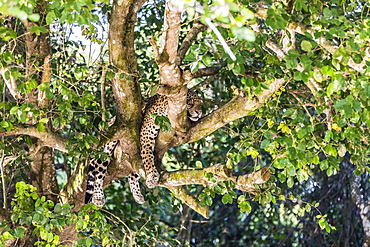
x: 248, y: 14
x: 35, y: 29
x: 88, y: 242
x: 291, y: 171
x: 50, y: 17
x: 317, y: 76
x: 40, y: 127
x: 49, y: 94
x: 245, y: 206
x: 367, y: 90
x: 7, y: 235
x: 330, y: 171
x: 328, y: 228
x: 324, y: 165
x: 275, y: 20
x: 19, y: 232
x: 44, y: 120
x: 265, y: 143
x: 6, y: 125
x: 327, y: 70
x: 229, y: 164
x: 218, y: 189
x: 322, y: 223
x: 316, y: 160
x: 290, y: 182
x: 308, y: 207
x: 340, y: 105
x: 50, y: 237
x: 30, y: 85
x: 306, y: 45
x: 207, y: 60
x: 8, y: 58
x: 327, y: 12
x: 23, y: 117
x: 331, y: 150
x: 281, y: 163
x: 227, y: 199
x: 209, y: 201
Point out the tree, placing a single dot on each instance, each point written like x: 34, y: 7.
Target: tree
x: 285, y: 91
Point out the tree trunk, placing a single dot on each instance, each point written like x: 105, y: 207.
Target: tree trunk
x: 363, y: 207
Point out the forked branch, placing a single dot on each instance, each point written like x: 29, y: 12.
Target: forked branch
x: 175, y: 180
x: 220, y: 172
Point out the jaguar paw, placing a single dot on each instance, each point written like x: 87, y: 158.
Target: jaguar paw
x: 98, y: 199
x: 133, y: 180
x: 152, y: 180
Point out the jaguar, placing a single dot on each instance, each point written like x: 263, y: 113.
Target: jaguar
x: 156, y: 105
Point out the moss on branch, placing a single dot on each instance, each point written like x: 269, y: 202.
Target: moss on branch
x: 220, y: 172
x: 174, y: 181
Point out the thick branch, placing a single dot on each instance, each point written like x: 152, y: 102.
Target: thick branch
x: 49, y: 139
x: 170, y: 37
x: 125, y: 84
x: 221, y: 173
x: 122, y: 55
x: 172, y: 81
x: 42, y: 171
x: 73, y: 190
x: 237, y: 108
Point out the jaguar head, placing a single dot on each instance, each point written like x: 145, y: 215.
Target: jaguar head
x: 193, y: 106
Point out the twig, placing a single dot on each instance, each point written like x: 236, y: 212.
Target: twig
x: 5, y: 205
x: 155, y: 49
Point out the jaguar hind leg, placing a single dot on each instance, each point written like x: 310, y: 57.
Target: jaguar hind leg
x: 148, y: 134
x: 96, y: 175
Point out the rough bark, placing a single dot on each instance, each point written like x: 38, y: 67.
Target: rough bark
x: 125, y: 84
x: 43, y: 174
x: 37, y: 66
x: 363, y: 207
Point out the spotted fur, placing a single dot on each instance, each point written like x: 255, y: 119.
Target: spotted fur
x: 158, y: 105
x: 155, y: 105
x: 96, y: 175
